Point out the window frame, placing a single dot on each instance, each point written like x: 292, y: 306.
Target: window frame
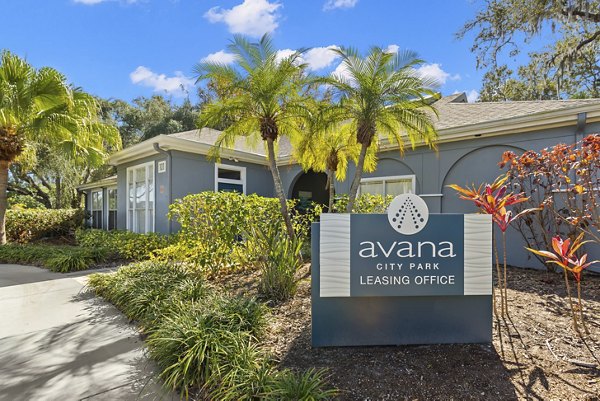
x: 411, y: 177
x: 129, y: 224
x: 241, y: 181
x: 101, y: 210
x: 108, y: 209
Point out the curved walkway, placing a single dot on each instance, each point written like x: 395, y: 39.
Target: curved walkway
x: 59, y: 342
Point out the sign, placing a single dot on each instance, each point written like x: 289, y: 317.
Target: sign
x: 399, y: 264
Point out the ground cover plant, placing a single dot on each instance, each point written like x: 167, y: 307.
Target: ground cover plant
x: 125, y: 245
x: 205, y: 341
x: 61, y: 259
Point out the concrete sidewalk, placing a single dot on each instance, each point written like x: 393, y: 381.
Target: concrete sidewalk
x: 59, y: 342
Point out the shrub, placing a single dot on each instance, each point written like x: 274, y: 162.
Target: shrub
x: 365, y: 203
x: 26, y: 225
x: 213, y: 227
x: 125, y: 244
x: 278, y: 264
x: 61, y: 259
x: 562, y: 182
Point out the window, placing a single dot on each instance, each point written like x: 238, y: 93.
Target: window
x: 97, y: 209
x: 394, y: 186
x: 230, y: 178
x: 140, y: 198
x: 112, y: 208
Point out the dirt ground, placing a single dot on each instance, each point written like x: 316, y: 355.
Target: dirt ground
x: 535, y: 355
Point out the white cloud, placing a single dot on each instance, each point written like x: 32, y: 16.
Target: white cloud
x: 320, y: 57
x: 392, y: 49
x: 317, y: 58
x: 220, y: 57
x: 333, y: 4
x: 472, y: 96
x: 435, y: 71
x: 177, y: 85
x: 283, y: 53
x: 252, y: 17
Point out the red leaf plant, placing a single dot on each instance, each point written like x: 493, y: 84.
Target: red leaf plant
x: 565, y: 256
x: 493, y: 199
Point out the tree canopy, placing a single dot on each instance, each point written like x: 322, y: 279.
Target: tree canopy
x: 568, y: 66
x: 40, y: 110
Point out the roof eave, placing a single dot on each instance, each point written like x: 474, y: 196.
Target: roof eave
x: 532, y: 122
x: 146, y: 148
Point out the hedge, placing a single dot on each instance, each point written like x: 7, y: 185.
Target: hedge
x: 32, y: 224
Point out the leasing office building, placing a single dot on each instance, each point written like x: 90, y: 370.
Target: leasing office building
x: 472, y: 137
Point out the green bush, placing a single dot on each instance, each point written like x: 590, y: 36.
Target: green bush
x: 60, y: 259
x: 279, y: 262
x: 213, y: 227
x: 26, y: 225
x: 124, y: 244
x: 365, y: 203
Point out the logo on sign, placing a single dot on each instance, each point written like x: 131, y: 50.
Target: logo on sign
x: 408, y: 214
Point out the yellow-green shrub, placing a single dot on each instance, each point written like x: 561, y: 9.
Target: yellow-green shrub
x: 214, y: 227
x: 125, y: 244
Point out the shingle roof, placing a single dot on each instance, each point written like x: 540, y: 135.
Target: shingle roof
x: 248, y: 145
x: 454, y: 111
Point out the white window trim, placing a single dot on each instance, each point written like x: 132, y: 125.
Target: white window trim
x: 92, y: 210
x: 107, y: 203
x: 218, y: 180
x: 411, y: 177
x: 128, y: 222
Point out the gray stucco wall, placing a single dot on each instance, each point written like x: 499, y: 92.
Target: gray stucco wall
x: 190, y: 173
x: 462, y: 162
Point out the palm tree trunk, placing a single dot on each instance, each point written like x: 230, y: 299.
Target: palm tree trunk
x: 331, y: 190
x: 279, y: 188
x: 4, y: 164
x: 357, y: 176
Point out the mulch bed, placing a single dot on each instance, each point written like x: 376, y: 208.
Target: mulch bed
x: 535, y: 355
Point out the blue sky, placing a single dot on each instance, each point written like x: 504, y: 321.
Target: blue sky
x: 129, y: 48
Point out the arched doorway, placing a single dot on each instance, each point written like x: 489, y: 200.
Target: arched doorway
x: 310, y: 187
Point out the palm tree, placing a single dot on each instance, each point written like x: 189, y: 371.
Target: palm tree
x: 39, y: 107
x: 382, y: 94
x: 267, y: 88
x: 326, y: 145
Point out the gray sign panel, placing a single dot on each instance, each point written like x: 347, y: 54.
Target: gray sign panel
x: 384, y: 262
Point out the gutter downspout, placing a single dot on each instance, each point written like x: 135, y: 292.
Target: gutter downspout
x: 581, y: 123
x: 167, y: 153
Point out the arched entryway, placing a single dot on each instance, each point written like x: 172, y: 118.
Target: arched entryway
x: 311, y: 186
